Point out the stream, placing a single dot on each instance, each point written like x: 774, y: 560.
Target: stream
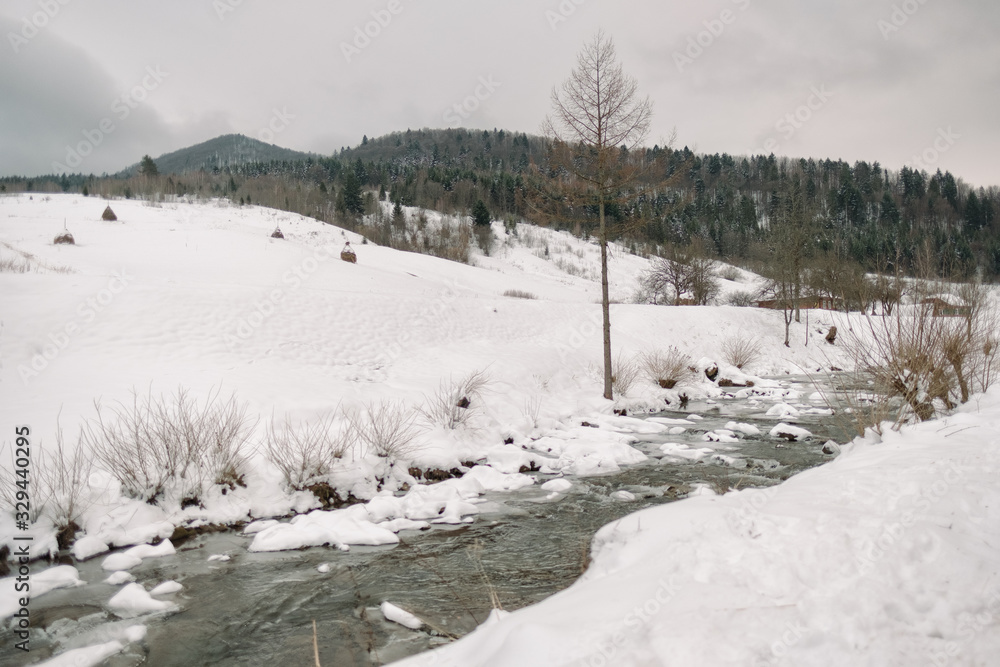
x: 258, y: 608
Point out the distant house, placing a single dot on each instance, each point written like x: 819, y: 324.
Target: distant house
x: 806, y: 302
x: 947, y: 305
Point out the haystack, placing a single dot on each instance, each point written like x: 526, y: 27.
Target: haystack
x: 109, y: 215
x: 348, y: 254
x: 276, y: 234
x: 65, y: 238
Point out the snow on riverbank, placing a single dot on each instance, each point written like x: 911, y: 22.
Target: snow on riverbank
x: 197, y: 295
x: 889, y: 555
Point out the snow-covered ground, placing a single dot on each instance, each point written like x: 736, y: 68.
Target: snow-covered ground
x: 197, y: 295
x: 889, y: 555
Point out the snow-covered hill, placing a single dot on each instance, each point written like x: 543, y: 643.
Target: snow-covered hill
x: 199, y: 296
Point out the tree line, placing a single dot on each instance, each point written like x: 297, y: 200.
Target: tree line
x: 861, y: 215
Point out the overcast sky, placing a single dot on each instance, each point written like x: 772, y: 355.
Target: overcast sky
x: 887, y: 80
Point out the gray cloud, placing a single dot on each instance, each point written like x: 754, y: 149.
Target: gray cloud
x: 231, y: 70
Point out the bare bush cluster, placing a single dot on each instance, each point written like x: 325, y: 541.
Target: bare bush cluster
x: 667, y: 368
x: 455, y: 402
x: 171, y: 447
x: 741, y: 299
x: 519, y: 294
x: 683, y: 275
x: 730, y: 273
x: 306, y: 453
x: 624, y: 373
x: 57, y: 483
x: 932, y: 363
x: 741, y: 351
x: 386, y: 428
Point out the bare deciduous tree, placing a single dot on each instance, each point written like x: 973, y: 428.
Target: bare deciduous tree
x: 682, y: 272
x: 597, y: 118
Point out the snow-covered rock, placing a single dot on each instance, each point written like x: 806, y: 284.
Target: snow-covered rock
x: 393, y: 613
x: 789, y: 432
x: 134, y: 600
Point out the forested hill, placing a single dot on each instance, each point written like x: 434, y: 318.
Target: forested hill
x: 227, y: 151
x: 860, y: 214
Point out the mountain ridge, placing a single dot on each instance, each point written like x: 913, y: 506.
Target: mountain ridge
x: 227, y: 150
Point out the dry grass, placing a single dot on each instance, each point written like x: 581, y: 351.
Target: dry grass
x: 171, y: 448
x: 27, y: 262
x: 476, y: 556
x: 667, y: 368
x: 14, y: 265
x: 741, y: 351
x: 519, y: 294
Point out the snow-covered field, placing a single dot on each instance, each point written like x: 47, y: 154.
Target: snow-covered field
x: 197, y: 295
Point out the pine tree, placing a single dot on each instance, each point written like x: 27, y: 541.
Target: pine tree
x: 480, y: 214
x: 353, y: 201
x: 147, y: 167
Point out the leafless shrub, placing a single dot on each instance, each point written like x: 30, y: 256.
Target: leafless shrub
x: 741, y: 351
x: 386, y: 428
x: 64, y: 475
x: 57, y: 482
x: 454, y: 403
x: 682, y: 274
x: 741, y: 299
x: 667, y: 368
x: 932, y: 363
x: 306, y: 453
x: 519, y: 294
x: 624, y: 373
x: 730, y: 273
x: 532, y: 410
x: 171, y: 447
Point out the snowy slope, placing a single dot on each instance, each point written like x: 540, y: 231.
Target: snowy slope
x: 890, y: 555
x: 198, y: 295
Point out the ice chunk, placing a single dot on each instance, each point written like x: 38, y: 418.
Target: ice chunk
x: 397, y: 615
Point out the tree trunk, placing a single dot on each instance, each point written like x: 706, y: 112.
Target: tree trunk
x: 605, y: 306
x: 798, y: 296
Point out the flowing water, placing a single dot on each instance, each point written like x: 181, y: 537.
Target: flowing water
x: 258, y: 609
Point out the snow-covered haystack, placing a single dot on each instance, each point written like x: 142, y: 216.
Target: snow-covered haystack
x: 109, y: 215
x: 65, y: 238
x: 348, y: 254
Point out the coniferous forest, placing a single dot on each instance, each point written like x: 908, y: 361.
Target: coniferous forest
x: 734, y: 208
